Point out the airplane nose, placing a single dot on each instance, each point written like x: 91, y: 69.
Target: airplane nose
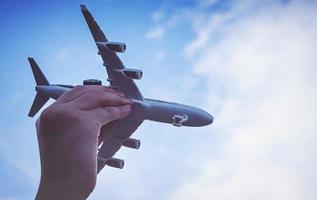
x: 207, y: 118
x: 199, y: 118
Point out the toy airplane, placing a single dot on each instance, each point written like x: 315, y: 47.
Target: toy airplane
x: 121, y: 79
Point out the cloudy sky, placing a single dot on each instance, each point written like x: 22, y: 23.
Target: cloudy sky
x: 250, y: 63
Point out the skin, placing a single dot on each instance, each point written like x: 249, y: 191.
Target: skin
x: 68, y: 134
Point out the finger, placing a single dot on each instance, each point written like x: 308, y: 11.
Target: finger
x: 94, y: 100
x: 80, y: 90
x: 108, y: 114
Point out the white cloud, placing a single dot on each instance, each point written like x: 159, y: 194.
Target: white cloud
x: 155, y: 33
x: 158, y: 15
x: 163, y: 24
x: 204, y: 35
x: 261, y: 76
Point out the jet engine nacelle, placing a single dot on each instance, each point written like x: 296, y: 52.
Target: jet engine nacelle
x: 113, y: 46
x: 115, y: 162
x: 132, y: 143
x: 132, y: 73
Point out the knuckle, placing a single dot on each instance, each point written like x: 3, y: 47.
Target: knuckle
x: 93, y: 88
x: 78, y: 87
x: 47, y: 114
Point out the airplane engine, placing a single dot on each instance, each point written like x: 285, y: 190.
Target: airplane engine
x: 115, y: 162
x: 178, y: 120
x: 132, y: 143
x: 114, y: 46
x: 133, y: 73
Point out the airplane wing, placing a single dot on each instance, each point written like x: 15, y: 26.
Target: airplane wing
x: 110, y: 60
x: 121, y: 130
x: 119, y: 133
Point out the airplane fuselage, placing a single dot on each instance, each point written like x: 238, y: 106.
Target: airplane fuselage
x: 148, y: 109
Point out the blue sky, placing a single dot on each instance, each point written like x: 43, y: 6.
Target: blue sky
x: 56, y: 35
x: 249, y: 63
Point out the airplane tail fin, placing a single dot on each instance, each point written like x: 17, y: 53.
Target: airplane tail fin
x: 40, y: 79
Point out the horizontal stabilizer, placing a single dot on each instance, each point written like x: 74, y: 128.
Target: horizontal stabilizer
x: 38, y: 103
x: 40, y: 79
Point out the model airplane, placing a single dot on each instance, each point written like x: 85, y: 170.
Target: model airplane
x: 120, y: 78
